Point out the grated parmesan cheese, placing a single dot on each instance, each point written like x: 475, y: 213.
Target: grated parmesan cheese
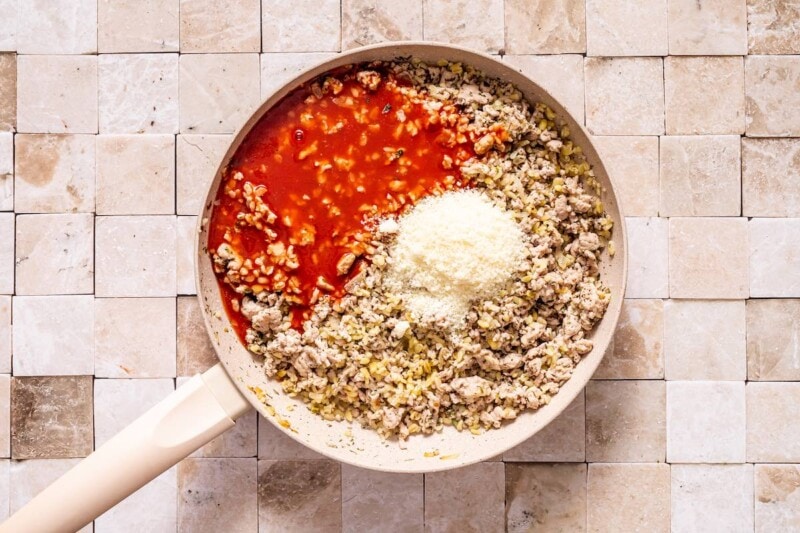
x: 451, y: 250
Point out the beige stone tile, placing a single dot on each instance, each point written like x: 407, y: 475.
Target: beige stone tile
x: 135, y: 174
x: 187, y: 235
x: 647, y: 258
x: 135, y: 337
x: 154, y: 507
x: 55, y: 254
x: 5, y: 334
x: 712, y: 498
x: 545, y: 27
x: 628, y: 497
x: 143, y: 26
x: 700, y: 175
x: 774, y: 261
x: 777, y: 498
x: 299, y: 496
x: 705, y: 422
x: 301, y: 26
x: 135, y: 256
x: 636, y: 351
x: 704, y: 340
x: 624, y: 96
x: 43, y: 106
x: 217, y: 495
x: 220, y: 26
x: 625, y: 421
x: 773, y: 340
x: 54, y: 173
x: 368, y: 22
x: 276, y: 445
x: 692, y: 108
x: 710, y: 27
x: 632, y: 162
x: 772, y: 26
x: 560, y: 75
x: 8, y: 30
x: 6, y: 253
x: 29, y: 478
x: 372, y: 501
x: 197, y: 158
x: 773, y: 428
x: 467, y: 499
x: 5, y: 488
x: 626, y: 28
x: 218, y: 91
x: 51, y: 417
x: 118, y: 402
x: 53, y: 335
x: 195, y: 352
x: 5, y: 421
x: 277, y: 69
x: 57, y: 27
x: 562, y: 440
x: 771, y: 177
x: 8, y: 92
x: 708, y: 258
x: 545, y: 497
x: 138, y: 93
x: 474, y: 23
x: 772, y: 101
x: 6, y: 171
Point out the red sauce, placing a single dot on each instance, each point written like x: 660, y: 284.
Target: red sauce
x: 328, y: 164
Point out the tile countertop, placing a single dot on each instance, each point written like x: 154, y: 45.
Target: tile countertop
x: 691, y: 422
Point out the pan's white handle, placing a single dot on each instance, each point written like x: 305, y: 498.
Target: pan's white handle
x: 193, y: 415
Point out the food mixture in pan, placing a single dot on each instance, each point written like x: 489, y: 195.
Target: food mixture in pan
x: 412, y: 246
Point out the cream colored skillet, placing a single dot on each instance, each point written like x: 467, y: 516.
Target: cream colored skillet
x: 208, y: 404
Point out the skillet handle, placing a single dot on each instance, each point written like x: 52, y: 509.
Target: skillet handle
x: 200, y: 410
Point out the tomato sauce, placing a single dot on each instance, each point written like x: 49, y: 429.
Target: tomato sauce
x: 329, y: 163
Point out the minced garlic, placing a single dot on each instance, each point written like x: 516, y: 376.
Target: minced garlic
x: 452, y: 250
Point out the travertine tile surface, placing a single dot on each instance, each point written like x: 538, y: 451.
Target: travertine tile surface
x: 636, y: 351
x: 712, y: 498
x: 144, y: 26
x: 626, y: 28
x: 628, y: 497
x: 624, y: 96
x: 710, y: 27
x: 774, y: 258
x: 543, y: 27
x: 708, y: 258
x: 43, y: 106
x: 777, y: 497
x: 705, y: 340
x: 214, y: 26
x: 771, y: 177
x: 365, y: 494
x: 692, y: 108
x: 467, y: 499
x: 773, y: 340
x: 54, y: 173
x: 55, y: 254
x: 545, y: 497
x: 374, y: 21
x: 625, y: 421
x: 772, y: 26
x: 700, y: 175
x: 773, y: 428
x: 98, y: 318
x: 705, y: 422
